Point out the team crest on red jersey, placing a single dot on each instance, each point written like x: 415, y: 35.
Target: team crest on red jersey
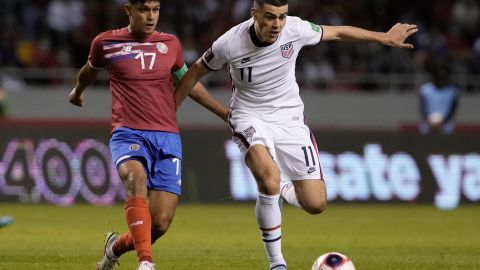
x: 162, y: 47
x: 287, y: 50
x: 134, y: 147
x: 249, y: 131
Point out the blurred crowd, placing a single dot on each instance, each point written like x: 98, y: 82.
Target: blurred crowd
x: 57, y: 33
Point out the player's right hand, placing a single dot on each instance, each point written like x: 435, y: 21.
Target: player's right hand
x: 397, y: 35
x: 75, y: 98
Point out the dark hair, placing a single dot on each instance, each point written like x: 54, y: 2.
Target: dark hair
x: 134, y: 2
x: 277, y: 3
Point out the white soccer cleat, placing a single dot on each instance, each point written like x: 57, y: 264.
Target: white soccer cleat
x: 109, y: 262
x: 144, y: 265
x: 279, y: 267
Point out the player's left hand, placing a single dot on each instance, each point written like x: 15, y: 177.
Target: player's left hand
x: 397, y: 35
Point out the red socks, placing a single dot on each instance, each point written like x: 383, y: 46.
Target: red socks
x: 139, y: 225
x: 123, y: 244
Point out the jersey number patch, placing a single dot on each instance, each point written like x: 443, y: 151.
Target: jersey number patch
x: 307, y: 158
x: 142, y: 57
x: 249, y: 74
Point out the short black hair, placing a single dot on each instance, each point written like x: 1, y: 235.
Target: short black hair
x: 277, y: 3
x: 134, y: 2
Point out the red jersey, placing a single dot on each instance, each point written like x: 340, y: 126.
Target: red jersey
x: 140, y: 73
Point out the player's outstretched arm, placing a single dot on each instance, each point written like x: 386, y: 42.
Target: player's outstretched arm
x: 85, y: 77
x: 188, y: 81
x: 200, y: 94
x: 395, y: 37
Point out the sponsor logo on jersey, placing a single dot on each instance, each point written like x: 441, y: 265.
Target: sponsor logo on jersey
x: 311, y: 170
x: 209, y: 55
x: 315, y: 27
x: 287, y: 50
x: 245, y: 60
x: 134, y: 147
x: 249, y: 131
x: 127, y: 48
x: 162, y: 47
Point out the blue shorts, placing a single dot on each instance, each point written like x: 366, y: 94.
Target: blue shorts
x: 159, y: 152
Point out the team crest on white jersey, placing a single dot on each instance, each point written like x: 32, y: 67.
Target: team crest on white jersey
x: 162, y: 47
x: 287, y: 50
x: 249, y: 131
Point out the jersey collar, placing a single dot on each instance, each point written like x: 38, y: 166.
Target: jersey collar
x: 256, y: 40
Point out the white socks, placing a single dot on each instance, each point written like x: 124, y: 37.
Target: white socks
x: 269, y: 219
x: 287, y: 192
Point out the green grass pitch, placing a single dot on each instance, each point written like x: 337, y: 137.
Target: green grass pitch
x: 224, y: 237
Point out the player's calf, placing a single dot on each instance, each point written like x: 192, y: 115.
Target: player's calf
x: 311, y: 195
x: 314, y: 206
x: 160, y: 227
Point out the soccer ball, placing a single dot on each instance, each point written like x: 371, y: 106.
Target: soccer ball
x: 333, y: 261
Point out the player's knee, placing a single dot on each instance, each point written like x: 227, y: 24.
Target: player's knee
x: 316, y: 207
x: 269, y: 186
x: 160, y: 227
x: 135, y: 183
x: 269, y: 182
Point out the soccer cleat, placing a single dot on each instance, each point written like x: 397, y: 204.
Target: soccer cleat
x: 144, y: 265
x: 279, y: 267
x: 108, y: 262
x: 5, y: 221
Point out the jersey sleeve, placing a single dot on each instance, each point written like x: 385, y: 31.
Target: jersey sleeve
x: 179, y: 61
x: 310, y: 33
x: 96, y: 57
x: 215, y: 57
x: 179, y: 68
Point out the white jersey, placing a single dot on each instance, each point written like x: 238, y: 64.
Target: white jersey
x: 263, y: 76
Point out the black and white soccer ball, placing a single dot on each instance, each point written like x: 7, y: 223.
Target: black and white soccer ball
x: 333, y: 261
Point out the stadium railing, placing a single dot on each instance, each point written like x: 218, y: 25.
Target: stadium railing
x: 64, y: 77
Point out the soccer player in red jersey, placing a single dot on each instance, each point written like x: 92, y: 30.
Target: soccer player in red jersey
x: 143, y: 66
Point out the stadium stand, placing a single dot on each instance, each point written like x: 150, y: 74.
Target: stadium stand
x: 44, y: 41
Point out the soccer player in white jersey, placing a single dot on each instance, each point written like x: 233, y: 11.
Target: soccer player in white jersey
x: 266, y: 111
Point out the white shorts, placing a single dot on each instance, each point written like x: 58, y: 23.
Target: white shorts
x: 290, y: 143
